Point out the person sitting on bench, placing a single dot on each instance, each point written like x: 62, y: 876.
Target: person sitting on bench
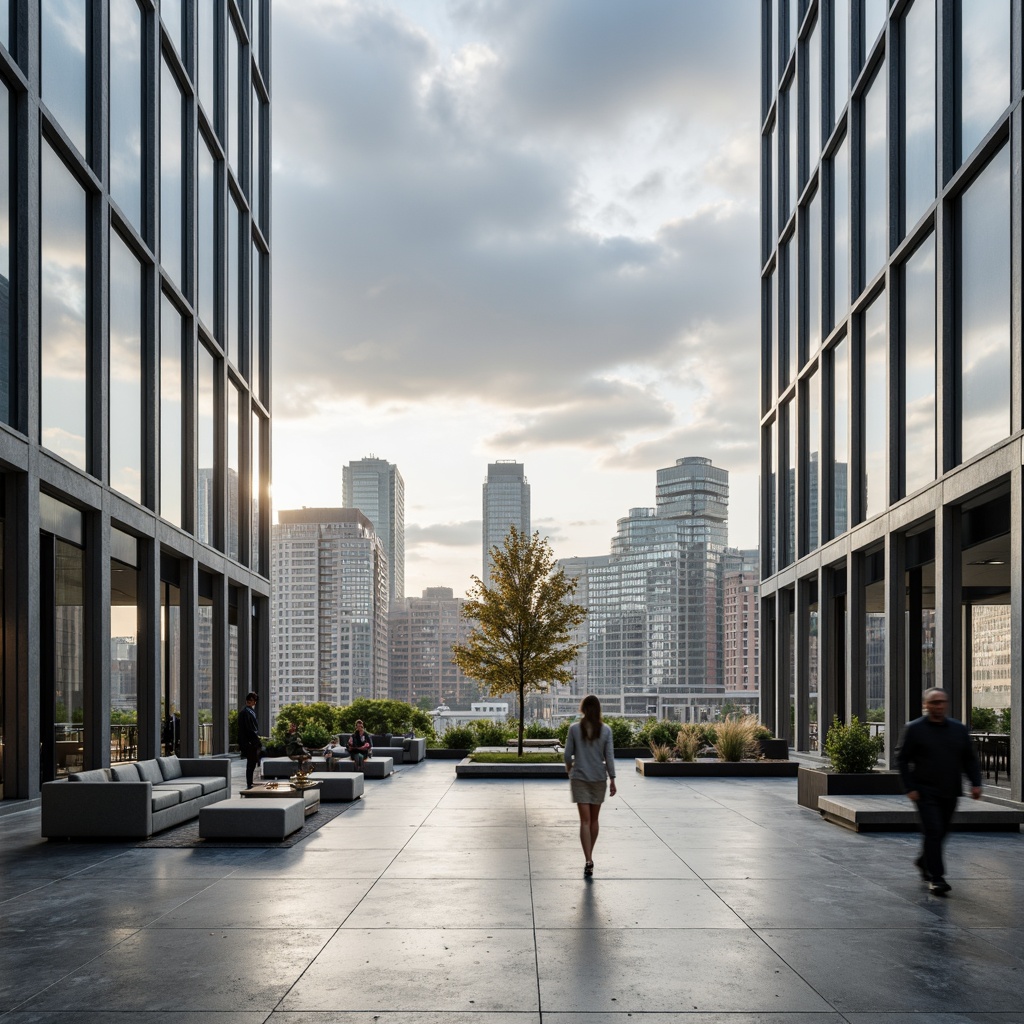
x: 359, y: 745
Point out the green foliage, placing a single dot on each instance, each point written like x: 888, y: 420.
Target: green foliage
x: 1004, y: 720
x: 536, y: 731
x: 622, y: 731
x: 383, y: 716
x: 562, y: 732
x: 876, y: 714
x: 661, y: 751
x: 490, y: 734
x: 735, y: 738
x: 688, y: 743
x: 123, y: 717
x: 652, y: 731
x: 204, y: 716
x: 233, y: 726
x: 321, y: 714
x: 521, y: 642
x: 530, y: 757
x: 458, y: 737
x: 983, y: 719
x: 315, y: 735
x: 851, y: 748
x: 762, y: 732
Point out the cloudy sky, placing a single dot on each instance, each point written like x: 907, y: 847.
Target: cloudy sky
x: 515, y: 229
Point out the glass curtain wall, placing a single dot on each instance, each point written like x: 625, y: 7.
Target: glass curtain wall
x: 126, y: 108
x: 918, y: 38
x: 170, y: 668
x: 205, y: 665
x: 172, y: 382
x: 64, y: 55
x: 206, y: 476
x: 875, y: 377
x: 7, y: 363
x: 840, y: 434
x: 124, y: 663
x: 919, y: 401
x: 126, y: 383
x: 985, y: 35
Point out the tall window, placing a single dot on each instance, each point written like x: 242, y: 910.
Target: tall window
x: 125, y: 370
x: 170, y: 14
x: 124, y: 631
x: 256, y: 165
x: 206, y: 244
x: 235, y: 411
x: 875, y: 233
x: 791, y: 135
x: 985, y: 36
x: 63, y: 302
x: 233, y: 250
x: 812, y: 461
x: 7, y: 410
x: 255, y: 332
x: 206, y: 21
x: 789, y: 424
x: 64, y: 46
x: 841, y: 57
x: 171, y: 383
x: 876, y: 351
x: 919, y: 366
x: 126, y: 108
x: 813, y: 99
x: 919, y: 110
x: 234, y: 114
x: 792, y: 310
x: 256, y: 493
x: 813, y: 275
x: 171, y: 183
x: 206, y: 476
x: 840, y: 434
x: 840, y: 233
x: 985, y: 307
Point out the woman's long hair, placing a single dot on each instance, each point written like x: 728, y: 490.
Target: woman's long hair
x: 590, y: 726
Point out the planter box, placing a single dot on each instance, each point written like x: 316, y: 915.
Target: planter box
x: 814, y: 782
x: 446, y: 753
x: 716, y: 769
x: 774, y: 749
x: 632, y: 753
x: 469, y: 770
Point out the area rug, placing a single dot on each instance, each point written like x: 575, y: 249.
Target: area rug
x: 186, y: 835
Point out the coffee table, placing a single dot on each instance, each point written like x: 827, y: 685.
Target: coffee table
x: 310, y: 795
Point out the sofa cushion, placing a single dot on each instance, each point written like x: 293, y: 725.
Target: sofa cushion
x: 381, y: 740
x: 164, y: 797
x: 94, y: 775
x: 149, y: 771
x: 210, y: 783
x: 170, y: 767
x: 125, y: 772
x: 189, y: 790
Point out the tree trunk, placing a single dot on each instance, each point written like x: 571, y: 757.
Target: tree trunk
x: 522, y: 716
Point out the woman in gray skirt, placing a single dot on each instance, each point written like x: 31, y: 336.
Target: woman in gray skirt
x: 589, y: 760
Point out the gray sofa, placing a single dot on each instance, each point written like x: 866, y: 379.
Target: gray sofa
x: 133, y: 800
x: 402, y: 749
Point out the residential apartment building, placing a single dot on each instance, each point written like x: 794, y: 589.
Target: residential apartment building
x: 891, y: 400
x: 376, y: 488
x: 506, y: 502
x: 741, y: 575
x: 421, y: 631
x: 134, y: 377
x: 330, y: 600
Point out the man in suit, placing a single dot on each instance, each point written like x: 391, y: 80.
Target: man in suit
x: 249, y: 737
x: 934, y: 754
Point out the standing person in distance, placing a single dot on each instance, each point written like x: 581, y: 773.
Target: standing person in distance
x: 249, y: 737
x: 934, y: 754
x: 589, y: 760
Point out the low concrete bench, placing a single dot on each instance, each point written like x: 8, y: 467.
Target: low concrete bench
x: 285, y: 767
x: 238, y: 818
x: 553, y: 744
x: 374, y: 768
x: 339, y: 786
x: 897, y: 814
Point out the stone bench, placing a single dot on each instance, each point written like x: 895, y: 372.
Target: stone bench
x: 374, y: 768
x: 240, y: 818
x: 339, y: 786
x: 878, y: 813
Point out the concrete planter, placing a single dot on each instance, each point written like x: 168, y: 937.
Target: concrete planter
x: 774, y: 749
x: 716, y: 769
x: 469, y: 770
x: 814, y: 782
x: 632, y: 753
x: 447, y: 753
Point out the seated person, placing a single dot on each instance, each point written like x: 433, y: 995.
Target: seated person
x: 293, y: 745
x: 359, y: 745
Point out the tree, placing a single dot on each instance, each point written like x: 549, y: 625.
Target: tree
x: 521, y: 642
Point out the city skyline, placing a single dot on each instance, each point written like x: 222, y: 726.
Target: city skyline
x: 508, y: 238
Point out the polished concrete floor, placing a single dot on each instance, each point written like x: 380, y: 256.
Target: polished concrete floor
x: 463, y: 902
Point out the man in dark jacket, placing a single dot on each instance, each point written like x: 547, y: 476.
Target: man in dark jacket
x: 934, y: 754
x: 249, y: 737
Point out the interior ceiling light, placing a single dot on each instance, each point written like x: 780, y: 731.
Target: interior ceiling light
x: 989, y: 561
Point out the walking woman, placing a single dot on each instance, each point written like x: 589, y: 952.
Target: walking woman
x: 589, y: 760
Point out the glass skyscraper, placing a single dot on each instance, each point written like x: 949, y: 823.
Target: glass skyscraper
x: 134, y: 378
x: 891, y: 400
x: 376, y: 488
x: 506, y: 503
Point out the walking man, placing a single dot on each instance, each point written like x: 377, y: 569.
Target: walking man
x: 934, y: 754
x: 249, y: 737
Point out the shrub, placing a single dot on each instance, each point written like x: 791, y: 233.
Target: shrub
x: 1004, y: 720
x: 735, y: 738
x: 983, y: 719
x: 562, y: 732
x: 383, y: 716
x: 459, y: 737
x: 688, y: 742
x: 653, y: 731
x: 491, y: 734
x: 762, y: 732
x: 315, y: 735
x: 851, y: 748
x: 708, y: 733
x: 536, y: 731
x: 233, y: 726
x: 661, y: 751
x: 622, y: 731
x: 305, y: 716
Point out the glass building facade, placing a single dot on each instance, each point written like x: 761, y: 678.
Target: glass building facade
x: 506, y: 502
x: 891, y: 402
x: 134, y: 378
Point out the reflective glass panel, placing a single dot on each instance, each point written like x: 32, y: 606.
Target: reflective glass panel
x: 794, y: 25
x: 256, y: 492
x: 124, y: 630
x: 125, y: 370
x: 771, y: 356
x: 874, y: 196
x: 69, y: 655
x: 207, y: 239
x: 63, y: 41
x: 206, y: 17
x: 204, y: 673
x: 813, y: 279
x: 235, y: 411
x: 984, y: 68
x: 841, y: 56
x: 170, y: 412
x: 919, y: 128
x: 233, y: 112
x: 170, y: 14
x: 256, y: 167
x: 772, y: 41
x: 985, y: 307
x: 126, y: 108
x: 256, y: 29
x: 171, y: 219
x: 813, y: 98
x: 255, y: 351
x: 813, y: 660
x: 874, y: 21
x: 919, y: 365
x: 773, y: 504
x: 7, y: 410
x: 812, y: 462
x: 233, y: 251
x: 769, y: 199
x: 789, y: 424
x: 206, y: 504
x: 874, y: 644
x: 792, y: 135
x: 876, y: 362
x: 840, y: 435
x: 63, y: 302
x: 170, y: 668
x: 840, y: 233
x: 792, y: 310
x: 5, y: 40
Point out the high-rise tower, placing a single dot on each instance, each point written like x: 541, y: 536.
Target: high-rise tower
x: 506, y: 503
x: 376, y: 488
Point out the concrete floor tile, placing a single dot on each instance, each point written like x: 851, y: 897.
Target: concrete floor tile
x: 172, y: 863
x: 1009, y: 940
x: 666, y: 971
x: 476, y: 817
x: 611, y: 860
x: 321, y: 863
x: 694, y: 1018
x: 179, y: 969
x: 436, y: 970
x: 141, y: 1017
x: 401, y: 1017
x: 444, y: 837
x: 966, y: 1017
x: 363, y: 837
x: 927, y: 969
x: 767, y: 864
x: 472, y: 862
